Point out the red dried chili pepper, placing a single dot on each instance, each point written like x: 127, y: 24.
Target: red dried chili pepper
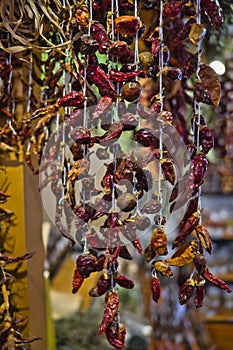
x: 200, y: 263
x: 127, y: 25
x: 204, y: 238
x: 123, y: 281
x: 199, y: 296
x: 97, y: 76
x: 192, y: 208
x: 99, y: 33
x: 81, y: 135
x: 212, y: 12
x: 195, y: 176
x: 103, y: 105
x: 120, y: 77
x: 113, y: 133
x: 184, y: 32
x: 137, y: 244
x: 124, y: 253
x: 155, y: 289
x: 147, y: 138
x: 77, y: 281
x: 173, y: 8
x: 185, y: 291
x: 168, y: 170
x: 102, y: 286
x: 86, y: 264
x: 124, y: 171
x: 121, y: 50
x: 106, y: 181
x: 208, y: 276
x: 190, y: 225
x: 73, y: 98
x: 115, y: 335
x: 206, y: 139
x: 111, y: 308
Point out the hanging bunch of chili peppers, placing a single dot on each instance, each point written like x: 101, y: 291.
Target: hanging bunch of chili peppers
x: 91, y: 106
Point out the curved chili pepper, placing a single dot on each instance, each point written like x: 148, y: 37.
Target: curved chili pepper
x: 123, y: 281
x: 102, y: 286
x: 121, y: 50
x: 127, y: 25
x: 73, y: 98
x: 186, y: 291
x: 208, y: 276
x: 187, y: 229
x: 212, y: 12
x: 192, y: 208
x: 113, y: 133
x: 77, y: 281
x: 119, y: 77
x: 204, y: 238
x: 184, y: 32
x: 97, y: 76
x: 111, y: 308
x: 155, y: 289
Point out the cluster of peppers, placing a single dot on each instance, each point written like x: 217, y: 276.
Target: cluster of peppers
x: 167, y: 51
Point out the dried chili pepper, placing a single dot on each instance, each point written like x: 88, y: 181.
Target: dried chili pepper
x: 129, y: 121
x: 73, y: 98
x: 77, y: 281
x: 159, y: 241
x: 102, y: 286
x: 187, y: 229
x: 208, y: 276
x: 81, y: 135
x: 185, y: 30
x: 103, y: 105
x: 121, y: 50
x: 206, y: 139
x: 120, y: 77
x: 147, y: 138
x: 185, y: 291
x: 184, y: 255
x: 86, y: 264
x: 191, y: 209
x: 79, y: 169
x: 204, y: 238
x: 113, y: 133
x: 199, y: 296
x: 173, y: 8
x: 127, y: 25
x: 149, y: 253
x: 97, y: 76
x: 155, y: 289
x: 111, y: 308
x: 123, y: 281
x: 168, y: 169
x: 163, y: 268
x: 115, y: 335
x: 212, y: 12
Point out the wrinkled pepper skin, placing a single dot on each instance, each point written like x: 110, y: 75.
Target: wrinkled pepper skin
x: 111, y: 308
x: 155, y: 289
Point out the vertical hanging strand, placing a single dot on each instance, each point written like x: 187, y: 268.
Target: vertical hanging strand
x: 161, y: 66
x: 197, y: 105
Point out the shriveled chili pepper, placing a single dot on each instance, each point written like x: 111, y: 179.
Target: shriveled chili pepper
x: 155, y: 289
x: 86, y: 264
x: 123, y: 281
x: 184, y: 32
x: 97, y: 76
x: 103, y: 105
x: 120, y: 77
x: 191, y: 209
x: 10, y: 259
x: 200, y: 263
x: 187, y: 229
x: 113, y: 133
x: 159, y: 241
x: 149, y: 253
x: 204, y: 238
x: 173, y: 8
x: 208, y: 276
x: 185, y: 291
x: 212, y: 12
x: 137, y: 244
x: 81, y: 135
x: 199, y: 296
x: 206, y: 139
x: 127, y: 25
x: 77, y: 281
x: 129, y: 121
x: 73, y: 98
x: 121, y: 50
x: 168, y: 169
x: 102, y: 286
x: 106, y: 181
x: 147, y: 138
x: 111, y: 308
x: 184, y: 255
x: 79, y: 169
x: 115, y: 335
x: 163, y: 268
x: 198, y: 168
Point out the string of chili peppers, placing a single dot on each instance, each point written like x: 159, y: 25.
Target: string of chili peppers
x: 103, y: 105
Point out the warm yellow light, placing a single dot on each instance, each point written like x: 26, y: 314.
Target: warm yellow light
x: 218, y: 67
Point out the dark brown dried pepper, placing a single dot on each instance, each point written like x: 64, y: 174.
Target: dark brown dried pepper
x: 155, y: 289
x: 111, y: 308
